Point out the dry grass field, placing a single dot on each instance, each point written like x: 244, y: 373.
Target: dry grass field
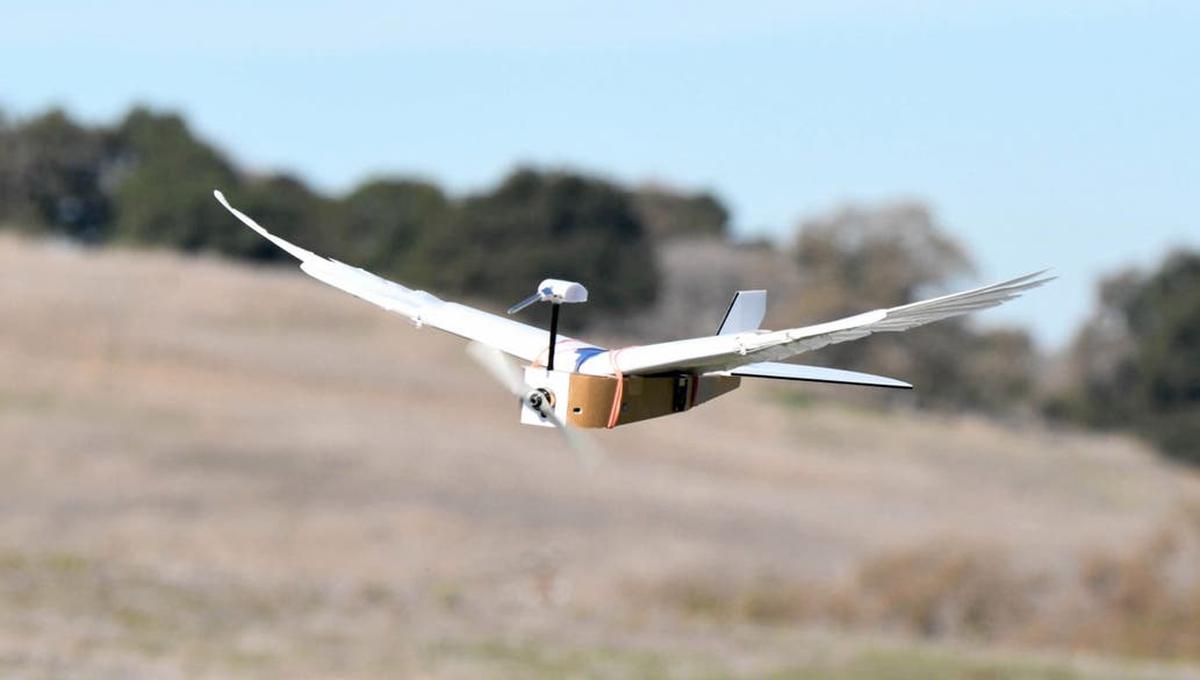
x: 208, y: 470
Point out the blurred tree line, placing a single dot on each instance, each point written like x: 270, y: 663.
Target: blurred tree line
x: 1134, y: 366
x: 657, y: 260
x: 148, y: 180
x: 1136, y: 363
x: 858, y: 259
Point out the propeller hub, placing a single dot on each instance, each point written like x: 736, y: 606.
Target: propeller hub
x: 537, y: 401
x: 540, y: 400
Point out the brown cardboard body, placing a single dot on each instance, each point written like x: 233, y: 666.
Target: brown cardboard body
x: 590, y: 398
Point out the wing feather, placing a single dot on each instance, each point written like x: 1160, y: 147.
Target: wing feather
x: 710, y: 353
x: 915, y: 314
x: 512, y: 337
x: 727, y: 352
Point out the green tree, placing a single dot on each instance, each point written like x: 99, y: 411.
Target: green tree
x: 283, y: 204
x: 51, y: 176
x: 500, y: 244
x: 9, y: 195
x: 670, y: 214
x: 381, y: 222
x: 1136, y: 363
x: 164, y: 183
x: 149, y: 180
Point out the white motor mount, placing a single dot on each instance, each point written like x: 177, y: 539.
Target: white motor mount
x: 556, y: 385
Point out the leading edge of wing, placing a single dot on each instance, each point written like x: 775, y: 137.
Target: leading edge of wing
x: 291, y: 248
x: 509, y: 336
x: 357, y: 282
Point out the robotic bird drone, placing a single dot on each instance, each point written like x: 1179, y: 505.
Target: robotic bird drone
x: 568, y: 382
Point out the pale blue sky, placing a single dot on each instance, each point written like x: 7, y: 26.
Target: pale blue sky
x: 1044, y: 134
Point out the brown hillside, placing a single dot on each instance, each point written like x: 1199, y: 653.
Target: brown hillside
x: 207, y: 469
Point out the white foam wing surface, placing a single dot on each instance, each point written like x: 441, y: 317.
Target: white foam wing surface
x: 724, y: 352
x: 509, y: 336
x: 697, y: 355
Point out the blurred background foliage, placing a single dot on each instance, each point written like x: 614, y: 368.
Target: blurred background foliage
x: 1136, y: 363
x: 658, y: 261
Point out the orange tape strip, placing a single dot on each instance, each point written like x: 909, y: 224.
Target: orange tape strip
x: 614, y: 413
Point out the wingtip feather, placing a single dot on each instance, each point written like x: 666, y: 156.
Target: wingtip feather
x: 293, y: 249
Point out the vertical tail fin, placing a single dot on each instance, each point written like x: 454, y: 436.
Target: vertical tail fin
x: 745, y: 313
